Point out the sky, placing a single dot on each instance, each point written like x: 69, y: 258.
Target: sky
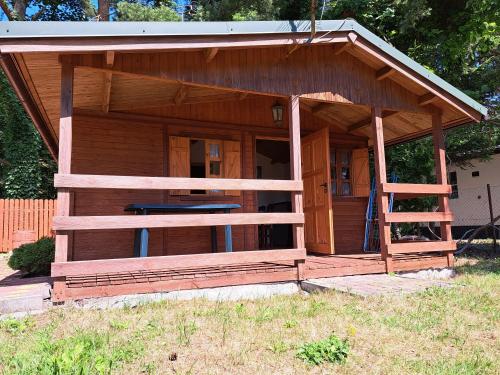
x: 180, y: 7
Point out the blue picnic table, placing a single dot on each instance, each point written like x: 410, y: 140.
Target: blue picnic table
x: 142, y: 235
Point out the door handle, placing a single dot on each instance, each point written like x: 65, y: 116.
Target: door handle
x: 324, y: 186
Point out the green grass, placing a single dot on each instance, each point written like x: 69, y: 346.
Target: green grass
x: 439, y: 331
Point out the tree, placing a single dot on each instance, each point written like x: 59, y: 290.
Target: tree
x: 47, y: 10
x: 27, y: 168
x: 146, y: 11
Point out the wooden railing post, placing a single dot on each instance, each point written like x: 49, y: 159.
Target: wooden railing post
x: 64, y: 166
x: 381, y: 178
x: 296, y: 174
x: 441, y: 178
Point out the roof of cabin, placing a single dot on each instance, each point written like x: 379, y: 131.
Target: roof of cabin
x: 25, y: 30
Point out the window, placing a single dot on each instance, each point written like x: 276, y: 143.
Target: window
x: 204, y: 158
x: 475, y: 174
x: 454, y: 185
x: 340, y: 170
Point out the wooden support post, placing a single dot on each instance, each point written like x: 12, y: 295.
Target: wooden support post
x: 296, y: 167
x: 301, y: 266
x: 63, y: 239
x: 441, y: 178
x: 381, y: 177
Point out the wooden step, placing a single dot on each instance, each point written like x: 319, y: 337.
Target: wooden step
x: 421, y: 247
x: 418, y: 217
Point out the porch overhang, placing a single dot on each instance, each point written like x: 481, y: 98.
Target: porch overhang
x: 105, y: 49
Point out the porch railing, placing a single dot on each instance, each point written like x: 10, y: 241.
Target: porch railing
x: 64, y: 224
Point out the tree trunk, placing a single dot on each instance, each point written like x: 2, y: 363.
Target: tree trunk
x: 20, y: 10
x: 103, y: 10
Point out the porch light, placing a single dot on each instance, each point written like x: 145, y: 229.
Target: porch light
x: 278, y: 114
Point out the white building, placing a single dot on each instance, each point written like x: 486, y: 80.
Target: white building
x: 469, y: 200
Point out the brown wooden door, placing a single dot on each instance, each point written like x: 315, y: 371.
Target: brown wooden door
x: 317, y: 192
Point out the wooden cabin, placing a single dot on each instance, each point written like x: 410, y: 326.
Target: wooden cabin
x: 263, y: 122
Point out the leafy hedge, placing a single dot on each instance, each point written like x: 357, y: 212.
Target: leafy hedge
x: 34, y: 258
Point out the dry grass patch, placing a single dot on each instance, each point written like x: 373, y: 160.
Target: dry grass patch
x: 440, y: 331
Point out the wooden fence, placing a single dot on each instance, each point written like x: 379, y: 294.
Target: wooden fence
x: 25, y: 215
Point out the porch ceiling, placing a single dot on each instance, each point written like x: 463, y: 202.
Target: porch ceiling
x: 139, y: 96
x: 134, y: 83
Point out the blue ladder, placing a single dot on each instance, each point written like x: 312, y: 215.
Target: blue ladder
x: 371, y: 223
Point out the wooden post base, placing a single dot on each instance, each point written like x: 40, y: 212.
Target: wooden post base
x: 59, y: 289
x: 300, y: 264
x: 451, y: 258
x: 389, y: 267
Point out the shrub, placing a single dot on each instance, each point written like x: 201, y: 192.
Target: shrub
x: 332, y: 349
x: 34, y: 258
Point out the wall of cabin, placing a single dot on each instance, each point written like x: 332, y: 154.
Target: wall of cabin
x: 139, y: 147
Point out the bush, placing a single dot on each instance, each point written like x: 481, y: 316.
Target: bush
x: 332, y: 350
x: 34, y: 258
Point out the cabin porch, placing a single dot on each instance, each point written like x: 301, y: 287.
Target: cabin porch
x: 126, y: 125
x: 164, y: 280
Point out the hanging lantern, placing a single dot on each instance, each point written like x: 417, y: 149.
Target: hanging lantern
x: 278, y: 114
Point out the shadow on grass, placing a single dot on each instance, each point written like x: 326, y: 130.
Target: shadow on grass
x: 478, y: 265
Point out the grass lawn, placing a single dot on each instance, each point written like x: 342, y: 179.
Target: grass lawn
x: 440, y: 331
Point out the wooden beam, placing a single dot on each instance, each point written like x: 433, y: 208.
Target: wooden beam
x: 173, y: 262
x: 172, y: 221
x: 340, y: 48
x: 108, y: 78
x: 148, y: 119
x: 417, y: 189
x: 181, y: 94
x: 18, y: 83
x: 85, y: 181
x: 210, y: 54
x: 351, y: 42
x: 418, y: 217
x: 368, y: 121
x: 321, y: 107
x: 406, y: 72
x: 64, y: 160
x: 221, y: 280
x: 383, y: 73
x: 165, y: 101
x: 166, y: 43
x: 421, y: 247
x: 441, y: 177
x: 296, y: 167
x: 381, y: 178
x: 110, y: 58
x: 427, y: 99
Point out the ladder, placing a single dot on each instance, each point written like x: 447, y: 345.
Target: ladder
x: 372, y: 242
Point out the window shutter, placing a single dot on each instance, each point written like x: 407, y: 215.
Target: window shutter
x: 360, y: 173
x: 232, y: 163
x: 179, y: 163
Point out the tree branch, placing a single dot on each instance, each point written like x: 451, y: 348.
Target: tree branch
x: 6, y: 10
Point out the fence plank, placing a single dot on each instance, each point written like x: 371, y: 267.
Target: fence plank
x: 24, y: 215
x: 1, y: 224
